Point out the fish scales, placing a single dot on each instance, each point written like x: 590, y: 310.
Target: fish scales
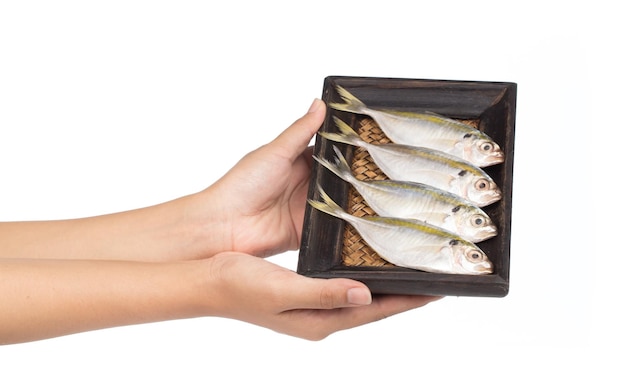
x: 428, y: 129
x: 391, y: 198
x: 411, y: 243
x: 424, y: 165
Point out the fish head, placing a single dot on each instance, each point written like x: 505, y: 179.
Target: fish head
x: 483, y: 152
x: 483, y: 191
x: 483, y: 233
x: 469, y: 259
x: 473, y: 223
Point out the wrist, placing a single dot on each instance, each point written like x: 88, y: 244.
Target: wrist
x: 205, y: 225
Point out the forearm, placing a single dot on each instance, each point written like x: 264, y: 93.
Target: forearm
x: 182, y: 229
x: 48, y: 298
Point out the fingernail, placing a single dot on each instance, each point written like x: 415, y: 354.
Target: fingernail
x: 359, y: 296
x: 314, y: 106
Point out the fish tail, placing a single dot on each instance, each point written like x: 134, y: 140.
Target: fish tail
x: 346, y: 134
x: 352, y: 103
x: 342, y: 164
x: 347, y: 131
x: 340, y: 167
x: 328, y: 206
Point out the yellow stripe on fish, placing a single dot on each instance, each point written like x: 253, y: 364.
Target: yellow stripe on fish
x: 424, y: 165
x: 419, y: 226
x: 411, y: 243
x: 428, y: 129
x: 391, y: 198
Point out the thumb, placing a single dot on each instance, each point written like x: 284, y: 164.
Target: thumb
x: 319, y: 293
x: 295, y: 139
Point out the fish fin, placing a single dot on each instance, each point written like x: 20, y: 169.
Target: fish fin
x: 330, y: 166
x: 340, y: 167
x: 352, y: 103
x: 345, y: 129
x: 346, y: 134
x: 336, y: 137
x: 342, y: 164
x: 434, y: 114
x: 431, y: 217
x: 327, y: 205
x: 451, y: 143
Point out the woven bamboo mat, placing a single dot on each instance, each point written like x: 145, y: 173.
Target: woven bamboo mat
x: 355, y: 251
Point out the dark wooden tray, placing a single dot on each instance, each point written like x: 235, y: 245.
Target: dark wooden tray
x: 488, y: 105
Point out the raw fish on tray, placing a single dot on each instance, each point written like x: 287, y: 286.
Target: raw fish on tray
x: 390, y: 198
x: 427, y: 129
x: 425, y: 165
x: 412, y: 243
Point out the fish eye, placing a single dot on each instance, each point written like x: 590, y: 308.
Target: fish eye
x: 487, y: 146
x: 478, y: 220
x: 481, y: 184
x: 475, y: 255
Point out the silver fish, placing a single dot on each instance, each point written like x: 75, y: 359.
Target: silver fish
x: 424, y: 165
x: 390, y: 198
x: 428, y: 129
x: 412, y: 243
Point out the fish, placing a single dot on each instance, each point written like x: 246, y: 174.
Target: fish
x: 412, y: 243
x: 428, y: 129
x: 391, y: 198
x: 424, y: 165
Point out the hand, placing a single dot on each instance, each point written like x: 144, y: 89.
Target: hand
x: 254, y: 290
x: 257, y: 208
x: 102, y: 269
x: 264, y: 194
x: 96, y: 294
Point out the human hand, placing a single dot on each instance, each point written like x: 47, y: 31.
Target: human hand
x: 257, y: 207
x: 263, y: 197
x: 257, y: 291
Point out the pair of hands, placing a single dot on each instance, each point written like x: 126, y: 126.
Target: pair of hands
x: 194, y: 256
x: 265, y: 194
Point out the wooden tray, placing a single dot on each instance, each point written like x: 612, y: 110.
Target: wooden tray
x: 330, y: 247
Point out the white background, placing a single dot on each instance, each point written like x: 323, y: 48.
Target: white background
x: 108, y: 106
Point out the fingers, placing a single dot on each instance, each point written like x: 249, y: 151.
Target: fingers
x: 254, y: 290
x: 325, y: 294
x: 295, y: 139
x: 387, y: 305
x: 381, y: 307
x: 345, y: 310
x: 317, y: 293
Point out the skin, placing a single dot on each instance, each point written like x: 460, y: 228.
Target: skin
x: 196, y: 256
